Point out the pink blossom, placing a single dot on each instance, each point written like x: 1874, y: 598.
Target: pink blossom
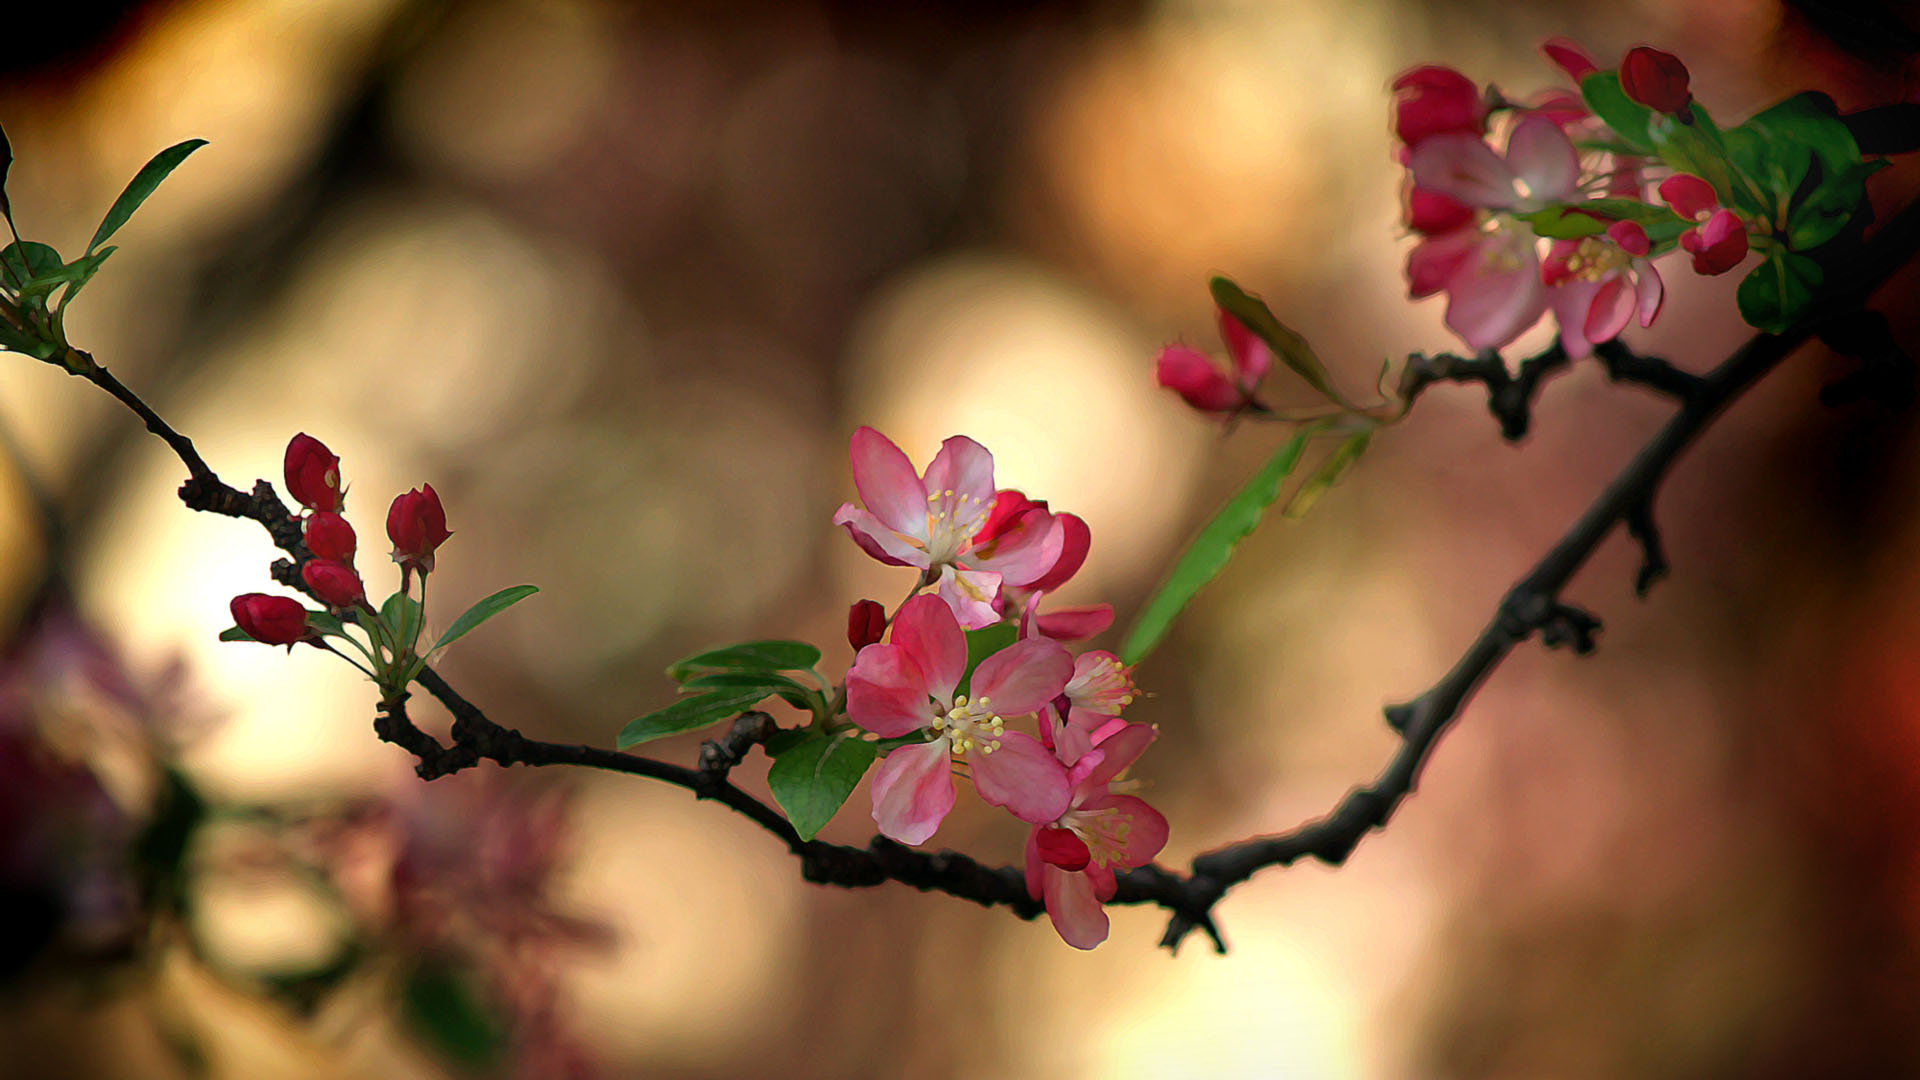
x: 907, y: 685
x: 1689, y: 196
x: 1070, y: 861
x: 1597, y: 284
x: 1540, y: 168
x: 1435, y: 100
x: 1195, y: 377
x: 1491, y: 277
x: 1717, y: 246
x: 934, y: 522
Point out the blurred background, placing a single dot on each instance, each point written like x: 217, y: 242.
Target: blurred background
x: 620, y: 278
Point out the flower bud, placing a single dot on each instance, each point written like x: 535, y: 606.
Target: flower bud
x: 275, y: 620
x: 1719, y: 245
x: 866, y: 622
x: 1192, y: 374
x: 334, y: 583
x: 329, y: 536
x: 1655, y: 79
x: 417, y: 525
x: 1435, y: 100
x: 313, y: 473
x: 1688, y: 196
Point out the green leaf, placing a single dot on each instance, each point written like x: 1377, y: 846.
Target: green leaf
x: 1829, y: 208
x: 1779, y: 291
x: 812, y: 779
x: 688, y: 714
x: 1776, y: 167
x: 234, y: 633
x: 1290, y: 347
x: 142, y: 185
x: 401, y: 614
x: 1329, y: 473
x: 1211, y: 549
x: 446, y: 1010
x: 1591, y: 217
x: 791, y: 692
x: 749, y: 656
x: 81, y: 270
x: 28, y: 260
x: 1696, y: 148
x: 327, y: 623
x: 983, y: 643
x: 1805, y: 121
x: 482, y: 611
x: 1627, y: 117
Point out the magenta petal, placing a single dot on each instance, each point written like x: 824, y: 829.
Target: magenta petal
x: 1433, y: 262
x: 1075, y: 540
x: 1023, y: 676
x: 1649, y: 291
x: 913, y: 791
x: 1121, y: 749
x: 1075, y: 624
x: 926, y: 629
x: 887, y: 692
x: 876, y: 539
x: 1545, y: 160
x: 1465, y: 168
x: 1612, y: 309
x: 969, y: 594
x: 1022, y: 776
x: 1192, y: 374
x: 1073, y: 908
x: 1250, y: 355
x: 887, y: 484
x: 965, y: 468
x: 1146, y: 831
x: 1688, y: 196
x: 1023, y: 552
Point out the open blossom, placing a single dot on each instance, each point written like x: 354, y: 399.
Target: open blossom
x: 1070, y: 861
x: 1597, y: 284
x: 1199, y: 381
x: 1061, y: 624
x: 907, y: 686
x: 1718, y: 242
x: 934, y: 522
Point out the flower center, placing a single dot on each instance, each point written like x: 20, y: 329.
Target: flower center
x: 1104, y: 832
x: 951, y: 522
x: 1595, y: 259
x: 971, y: 724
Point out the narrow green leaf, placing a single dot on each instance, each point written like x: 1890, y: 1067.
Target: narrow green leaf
x: 688, y: 714
x: 234, y: 633
x: 1627, y: 117
x: 983, y: 643
x: 327, y: 623
x: 482, y: 611
x: 142, y: 185
x: 1210, y: 550
x: 749, y: 656
x: 812, y: 779
x: 1290, y: 347
x: 1329, y: 473
x: 791, y: 692
x: 1591, y: 217
x: 1779, y: 291
x: 81, y: 271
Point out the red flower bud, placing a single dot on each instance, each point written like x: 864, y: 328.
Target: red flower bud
x: 1719, y: 245
x: 1431, y: 213
x: 275, y: 620
x: 1063, y: 848
x: 313, y: 473
x: 1655, y: 79
x: 1435, y: 100
x: 417, y: 525
x: 334, y: 583
x: 329, y: 536
x: 866, y: 621
x: 1192, y: 374
x: 1689, y: 196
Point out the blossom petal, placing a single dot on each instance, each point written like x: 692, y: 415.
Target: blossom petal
x: 1121, y: 748
x: 1022, y: 776
x: 969, y: 594
x: 1545, y: 160
x: 1649, y: 290
x: 925, y: 628
x: 1465, y: 168
x: 1023, y: 676
x: 1434, y: 261
x: 1146, y: 829
x: 960, y: 481
x: 1036, y: 866
x: 887, y: 692
x: 913, y: 791
x: 1612, y: 309
x: 1251, y: 357
x: 876, y: 539
x: 1493, y: 301
x: 1570, y: 58
x: 1073, y: 908
x: 887, y: 484
x: 1075, y: 540
x: 1025, y: 550
x: 1074, y: 624
x: 1192, y: 374
x: 1571, y: 302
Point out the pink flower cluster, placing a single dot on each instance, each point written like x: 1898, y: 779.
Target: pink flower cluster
x: 994, y: 555
x: 1467, y: 201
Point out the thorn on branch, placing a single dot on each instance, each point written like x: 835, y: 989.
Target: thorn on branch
x: 1653, y: 555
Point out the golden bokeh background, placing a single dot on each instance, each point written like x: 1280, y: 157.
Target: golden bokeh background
x: 620, y: 278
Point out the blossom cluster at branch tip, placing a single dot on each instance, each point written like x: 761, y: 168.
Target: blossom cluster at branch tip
x: 995, y: 555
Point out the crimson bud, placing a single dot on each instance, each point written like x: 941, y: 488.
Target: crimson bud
x: 313, y: 473
x: 866, y: 621
x: 334, y: 583
x: 330, y: 537
x: 1655, y: 79
x: 417, y: 524
x: 275, y: 620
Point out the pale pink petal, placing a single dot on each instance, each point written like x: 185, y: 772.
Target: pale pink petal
x: 887, y: 692
x: 877, y: 540
x: 887, y: 483
x: 969, y: 594
x: 925, y: 628
x: 1494, y: 301
x: 1035, y: 864
x: 1022, y: 776
x: 1121, y: 748
x: 1545, y: 160
x: 1075, y: 540
x: 1075, y: 624
x: 1649, y: 290
x: 1073, y: 745
x: 1146, y: 829
x: 1464, y: 167
x: 913, y: 791
x: 960, y: 479
x: 1023, y: 676
x: 1073, y: 909
x: 1023, y: 552
x: 1250, y: 355
x: 1612, y: 309
x: 1434, y: 261
x: 1571, y: 303
x: 1570, y: 58
x: 1103, y: 880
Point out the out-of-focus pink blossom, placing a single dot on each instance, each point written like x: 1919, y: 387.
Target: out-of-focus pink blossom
x: 1431, y: 213
x: 1070, y: 861
x: 907, y: 686
x: 932, y: 522
x: 1717, y: 246
x: 1595, y: 286
x: 1540, y: 168
x: 1570, y: 58
x: 1491, y: 278
x: 1195, y: 377
x: 1435, y: 100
